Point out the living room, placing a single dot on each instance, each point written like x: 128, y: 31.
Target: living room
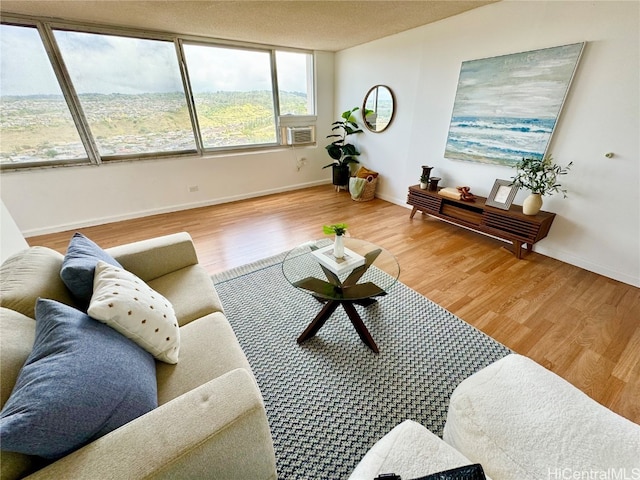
x: 597, y: 227
x: 421, y: 67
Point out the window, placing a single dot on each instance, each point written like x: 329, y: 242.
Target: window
x: 37, y: 126
x: 295, y: 86
x: 233, y: 95
x: 71, y: 94
x: 131, y: 92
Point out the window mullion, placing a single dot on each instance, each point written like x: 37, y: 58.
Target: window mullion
x: 191, y: 106
x: 276, y: 95
x: 69, y: 92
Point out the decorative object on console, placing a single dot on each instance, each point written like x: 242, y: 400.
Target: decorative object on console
x: 378, y: 108
x: 426, y: 172
x: 343, y: 153
x: 465, y: 194
x: 424, y: 182
x: 502, y: 194
x: 540, y: 177
x: 339, y: 229
x: 507, y: 107
x: 425, y: 177
x: 450, y: 192
x: 433, y: 184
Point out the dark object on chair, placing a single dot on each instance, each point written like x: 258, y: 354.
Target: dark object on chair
x: 468, y: 472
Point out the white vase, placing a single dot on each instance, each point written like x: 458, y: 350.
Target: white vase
x: 338, y: 247
x: 532, y: 204
x: 423, y: 185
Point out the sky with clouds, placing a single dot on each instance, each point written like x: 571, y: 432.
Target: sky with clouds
x: 110, y: 64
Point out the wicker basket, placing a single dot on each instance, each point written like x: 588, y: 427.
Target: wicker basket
x: 369, y: 190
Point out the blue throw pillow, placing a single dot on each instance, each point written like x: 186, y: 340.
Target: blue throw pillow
x: 81, y: 380
x: 79, y: 265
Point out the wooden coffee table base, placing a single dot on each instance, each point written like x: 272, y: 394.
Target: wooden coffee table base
x: 330, y: 307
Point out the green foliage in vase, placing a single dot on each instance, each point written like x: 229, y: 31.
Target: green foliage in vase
x: 540, y: 175
x: 337, y: 229
x: 424, y: 178
x: 344, y: 153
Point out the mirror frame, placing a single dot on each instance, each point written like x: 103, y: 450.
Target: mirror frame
x: 393, y: 108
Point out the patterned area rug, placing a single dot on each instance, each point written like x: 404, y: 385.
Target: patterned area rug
x: 330, y: 399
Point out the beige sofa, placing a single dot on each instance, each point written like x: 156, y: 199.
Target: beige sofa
x: 210, y: 421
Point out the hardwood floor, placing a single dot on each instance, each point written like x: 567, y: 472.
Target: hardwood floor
x: 583, y: 326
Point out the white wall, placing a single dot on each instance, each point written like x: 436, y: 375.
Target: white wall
x: 56, y: 199
x: 11, y: 240
x: 598, y: 226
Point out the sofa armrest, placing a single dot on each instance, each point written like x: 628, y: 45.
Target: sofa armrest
x: 218, y: 430
x: 519, y: 420
x: 155, y: 257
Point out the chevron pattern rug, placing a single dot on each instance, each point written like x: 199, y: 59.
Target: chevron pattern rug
x: 330, y: 399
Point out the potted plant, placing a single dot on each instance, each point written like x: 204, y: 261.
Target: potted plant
x: 540, y: 177
x: 424, y: 181
x: 337, y: 229
x: 343, y: 153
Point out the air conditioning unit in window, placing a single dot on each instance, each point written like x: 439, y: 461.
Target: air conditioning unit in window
x: 300, y: 135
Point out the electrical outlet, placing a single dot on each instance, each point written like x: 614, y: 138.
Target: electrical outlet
x: 193, y: 188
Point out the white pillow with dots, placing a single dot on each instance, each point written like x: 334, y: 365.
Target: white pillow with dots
x: 128, y: 305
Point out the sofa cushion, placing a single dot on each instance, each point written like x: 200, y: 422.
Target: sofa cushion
x: 30, y: 274
x: 17, y: 332
x: 519, y: 420
x: 155, y: 257
x: 82, y: 380
x: 409, y: 450
x: 79, y: 265
x: 208, y: 349
x: 127, y: 304
x: 191, y: 292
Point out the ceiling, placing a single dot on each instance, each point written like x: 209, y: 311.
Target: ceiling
x: 330, y: 25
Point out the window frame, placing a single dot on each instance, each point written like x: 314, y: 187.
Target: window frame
x: 46, y: 27
x: 193, y: 110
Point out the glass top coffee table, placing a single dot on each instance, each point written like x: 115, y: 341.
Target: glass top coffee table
x: 378, y: 274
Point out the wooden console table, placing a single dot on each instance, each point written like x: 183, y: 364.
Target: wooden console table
x: 511, y: 225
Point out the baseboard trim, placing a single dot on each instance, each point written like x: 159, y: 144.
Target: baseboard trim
x: 169, y: 209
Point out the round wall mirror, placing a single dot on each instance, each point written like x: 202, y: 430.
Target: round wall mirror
x: 378, y: 108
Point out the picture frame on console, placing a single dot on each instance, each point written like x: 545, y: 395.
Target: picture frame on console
x: 502, y: 194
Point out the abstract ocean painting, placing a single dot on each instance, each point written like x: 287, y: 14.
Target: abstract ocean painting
x: 507, y: 107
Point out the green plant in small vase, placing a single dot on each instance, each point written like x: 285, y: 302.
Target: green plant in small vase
x: 540, y: 177
x: 424, y: 181
x: 337, y: 229
x: 343, y: 153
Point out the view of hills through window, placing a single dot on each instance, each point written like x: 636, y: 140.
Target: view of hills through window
x: 36, y: 123
x: 132, y: 96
